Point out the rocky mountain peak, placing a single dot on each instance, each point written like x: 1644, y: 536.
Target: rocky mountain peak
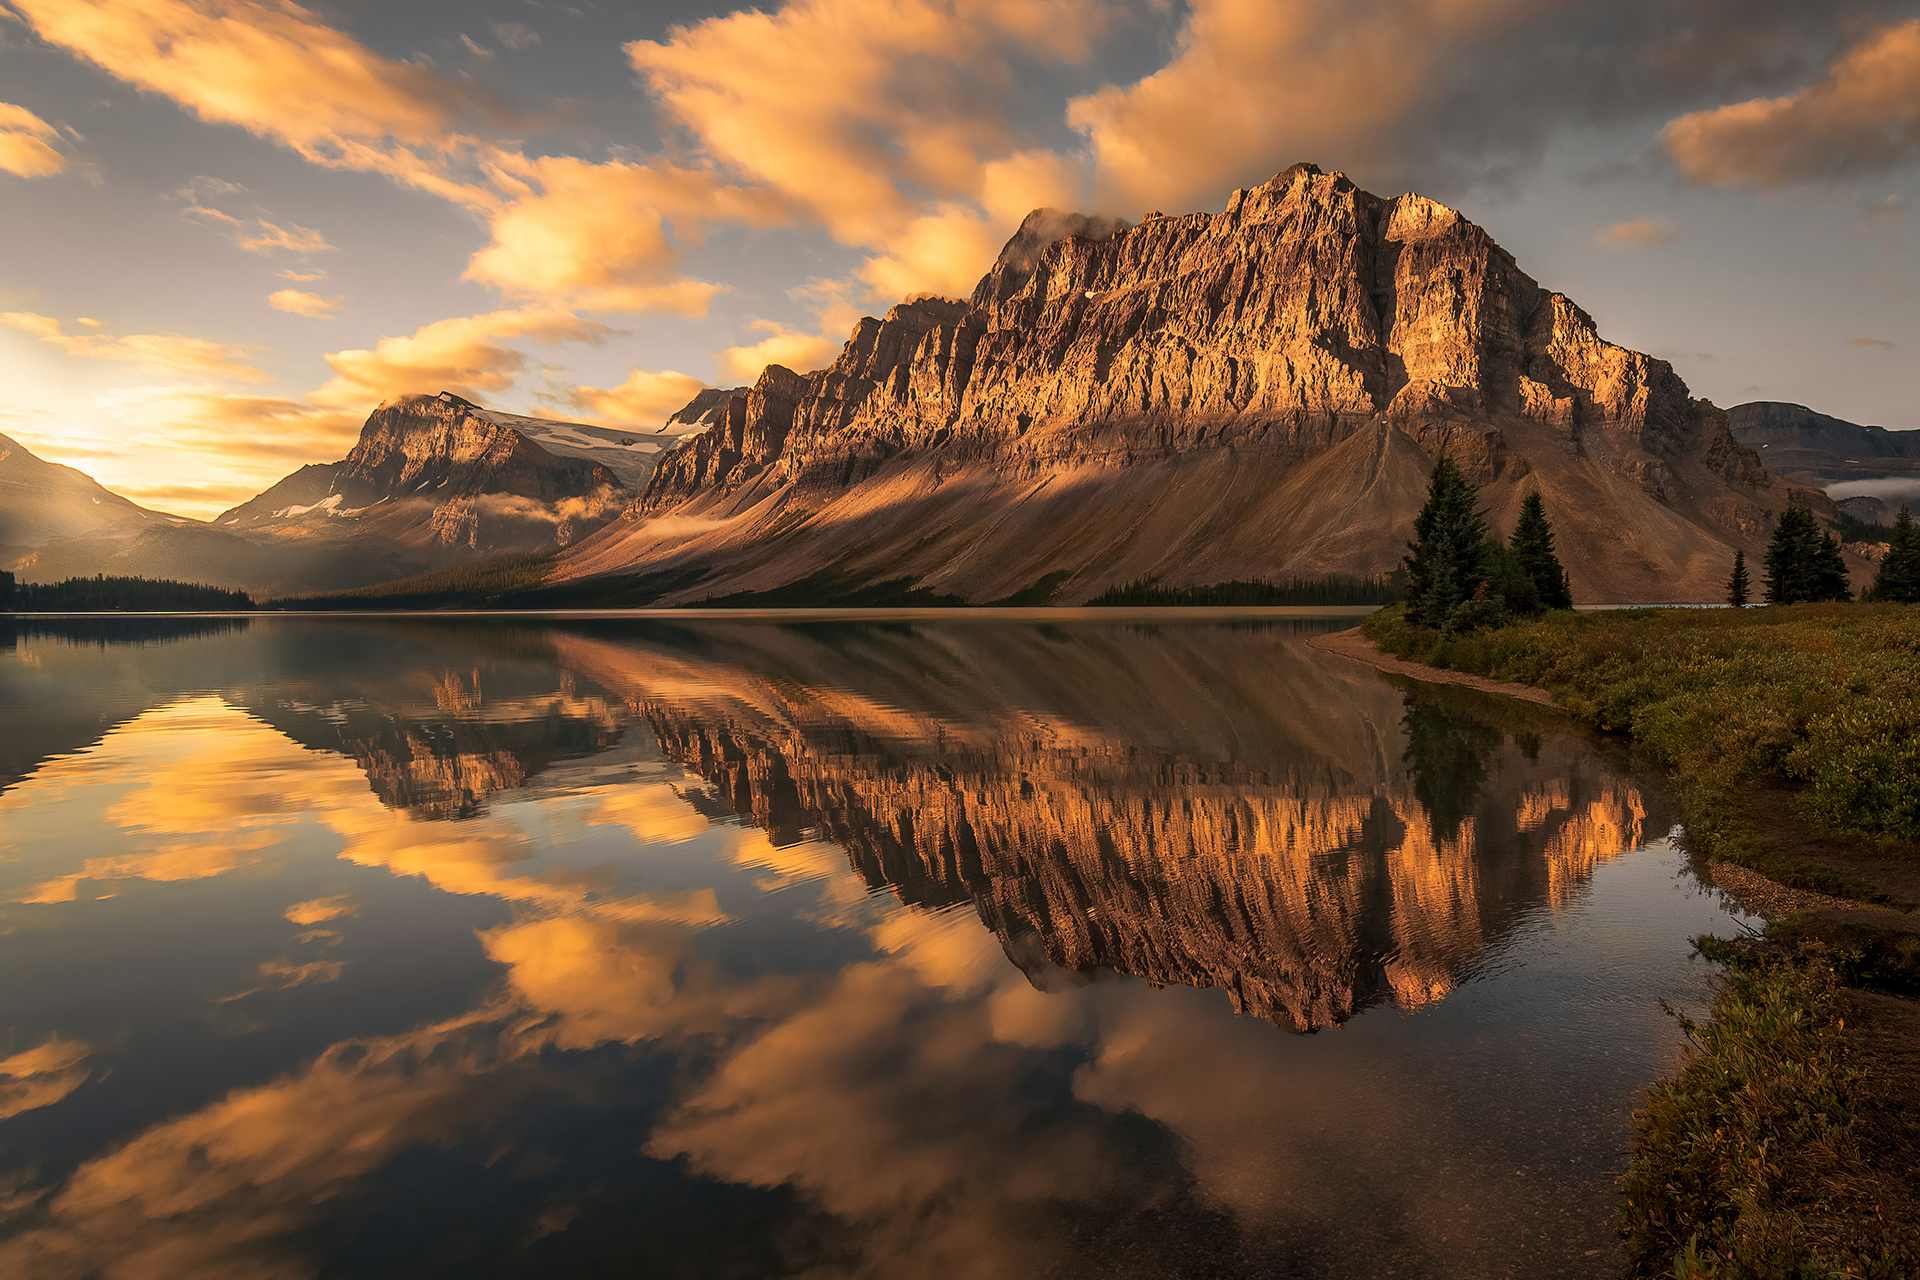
x: 1254, y: 393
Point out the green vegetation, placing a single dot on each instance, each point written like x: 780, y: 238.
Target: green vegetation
x: 1823, y: 699
x: 1751, y: 1163
x: 1898, y: 581
x: 1459, y: 579
x: 1803, y: 562
x: 479, y: 585
x: 1739, y: 583
x: 1333, y: 589
x: 834, y: 589
x: 101, y: 593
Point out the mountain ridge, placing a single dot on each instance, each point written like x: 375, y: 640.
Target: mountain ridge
x: 1254, y: 394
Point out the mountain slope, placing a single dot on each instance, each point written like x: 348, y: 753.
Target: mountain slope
x: 1258, y: 393
x: 433, y: 482
x: 43, y: 502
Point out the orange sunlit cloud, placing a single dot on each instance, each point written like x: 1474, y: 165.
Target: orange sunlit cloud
x: 26, y: 148
x: 468, y: 356
x: 1864, y: 113
x: 301, y: 303
x: 163, y: 352
x: 645, y: 399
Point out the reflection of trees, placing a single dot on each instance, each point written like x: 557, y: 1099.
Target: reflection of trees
x: 1447, y: 750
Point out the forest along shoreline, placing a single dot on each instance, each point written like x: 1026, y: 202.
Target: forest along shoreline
x: 1787, y: 1143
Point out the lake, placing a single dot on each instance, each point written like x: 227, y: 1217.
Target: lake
x: 1079, y: 944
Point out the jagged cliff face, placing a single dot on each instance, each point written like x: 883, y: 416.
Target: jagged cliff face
x: 1298, y: 835
x: 1255, y: 393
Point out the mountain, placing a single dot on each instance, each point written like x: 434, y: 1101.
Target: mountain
x: 1816, y: 449
x: 1254, y: 394
x: 42, y: 502
x: 433, y: 482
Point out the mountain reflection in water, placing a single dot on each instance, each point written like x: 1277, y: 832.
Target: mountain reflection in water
x: 477, y: 948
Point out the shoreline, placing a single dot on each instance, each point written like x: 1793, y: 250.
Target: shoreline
x: 1355, y: 645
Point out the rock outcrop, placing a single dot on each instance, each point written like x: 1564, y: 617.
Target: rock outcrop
x: 1257, y: 393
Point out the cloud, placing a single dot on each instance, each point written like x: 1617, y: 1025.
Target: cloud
x: 165, y: 352
x: 597, y: 236
x: 514, y: 35
x: 257, y: 235
x: 466, y: 355
x: 302, y: 277
x: 1869, y: 342
x: 1863, y: 114
x: 881, y: 123
x: 1254, y: 86
x: 278, y: 71
x: 42, y: 1076
x: 566, y: 232
x: 301, y: 303
x: 25, y: 148
x: 801, y: 352
x: 321, y: 909
x: 199, y: 450
x: 645, y: 399
x: 1643, y: 233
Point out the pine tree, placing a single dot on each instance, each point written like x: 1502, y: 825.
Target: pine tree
x: 1445, y: 562
x: 1803, y: 563
x: 1899, y: 578
x: 1532, y: 543
x: 1739, y: 586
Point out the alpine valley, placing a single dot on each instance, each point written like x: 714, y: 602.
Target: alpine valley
x: 1253, y: 395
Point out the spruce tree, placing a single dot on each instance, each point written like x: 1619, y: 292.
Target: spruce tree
x: 1532, y: 544
x: 1804, y: 563
x: 1445, y: 562
x: 1899, y: 578
x: 1739, y: 586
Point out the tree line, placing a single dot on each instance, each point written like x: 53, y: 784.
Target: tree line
x: 1460, y: 577
x: 101, y: 593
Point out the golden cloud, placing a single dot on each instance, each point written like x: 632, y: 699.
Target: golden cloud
x: 41, y: 1076
x: 198, y: 450
x: 464, y: 355
x: 278, y: 71
x: 257, y: 235
x: 1255, y: 85
x: 1643, y: 233
x: 1864, y: 113
x: 801, y: 352
x: 645, y: 399
x: 322, y: 909
x: 24, y: 145
x: 301, y: 303
x: 165, y: 352
x: 595, y: 236
x: 881, y: 124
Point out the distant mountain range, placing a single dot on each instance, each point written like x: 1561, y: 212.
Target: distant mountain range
x: 1257, y: 394
x: 434, y: 481
x: 1814, y: 449
x: 1254, y: 394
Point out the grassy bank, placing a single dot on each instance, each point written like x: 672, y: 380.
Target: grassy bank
x: 1786, y: 1146
x: 1757, y: 1160
x: 1820, y: 703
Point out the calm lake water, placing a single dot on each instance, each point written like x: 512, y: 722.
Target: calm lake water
x: 961, y: 948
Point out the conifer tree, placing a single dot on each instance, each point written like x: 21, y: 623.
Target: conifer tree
x: 1803, y: 563
x: 1445, y: 562
x: 1899, y: 578
x: 1532, y: 544
x: 1739, y: 586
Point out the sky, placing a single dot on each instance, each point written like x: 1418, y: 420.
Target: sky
x: 233, y: 228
